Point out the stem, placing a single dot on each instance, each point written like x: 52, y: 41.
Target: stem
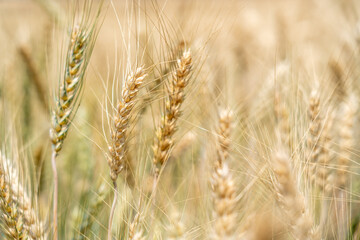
x: 112, y: 210
x: 55, y: 179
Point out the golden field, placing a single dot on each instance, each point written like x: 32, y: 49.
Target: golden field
x: 179, y: 119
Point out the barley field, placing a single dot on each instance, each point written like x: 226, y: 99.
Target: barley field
x: 193, y: 119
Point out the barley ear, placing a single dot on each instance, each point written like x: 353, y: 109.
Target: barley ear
x: 175, y: 97
x: 68, y: 96
x: 135, y: 232
x: 289, y: 197
x: 348, y: 111
x: 122, y: 119
x: 312, y: 145
x: 346, y: 144
x: 19, y: 219
x: 119, y: 136
x: 223, y: 186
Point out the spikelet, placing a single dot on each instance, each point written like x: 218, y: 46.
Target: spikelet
x: 19, y: 219
x: 223, y: 186
x: 175, y: 97
x: 70, y: 88
x: 312, y: 144
x: 121, y: 121
x: 346, y: 141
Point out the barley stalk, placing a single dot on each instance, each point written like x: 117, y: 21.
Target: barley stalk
x: 67, y: 100
x: 123, y: 115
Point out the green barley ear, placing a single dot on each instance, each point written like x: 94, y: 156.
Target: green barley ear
x: 68, y: 98
x: 69, y: 93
